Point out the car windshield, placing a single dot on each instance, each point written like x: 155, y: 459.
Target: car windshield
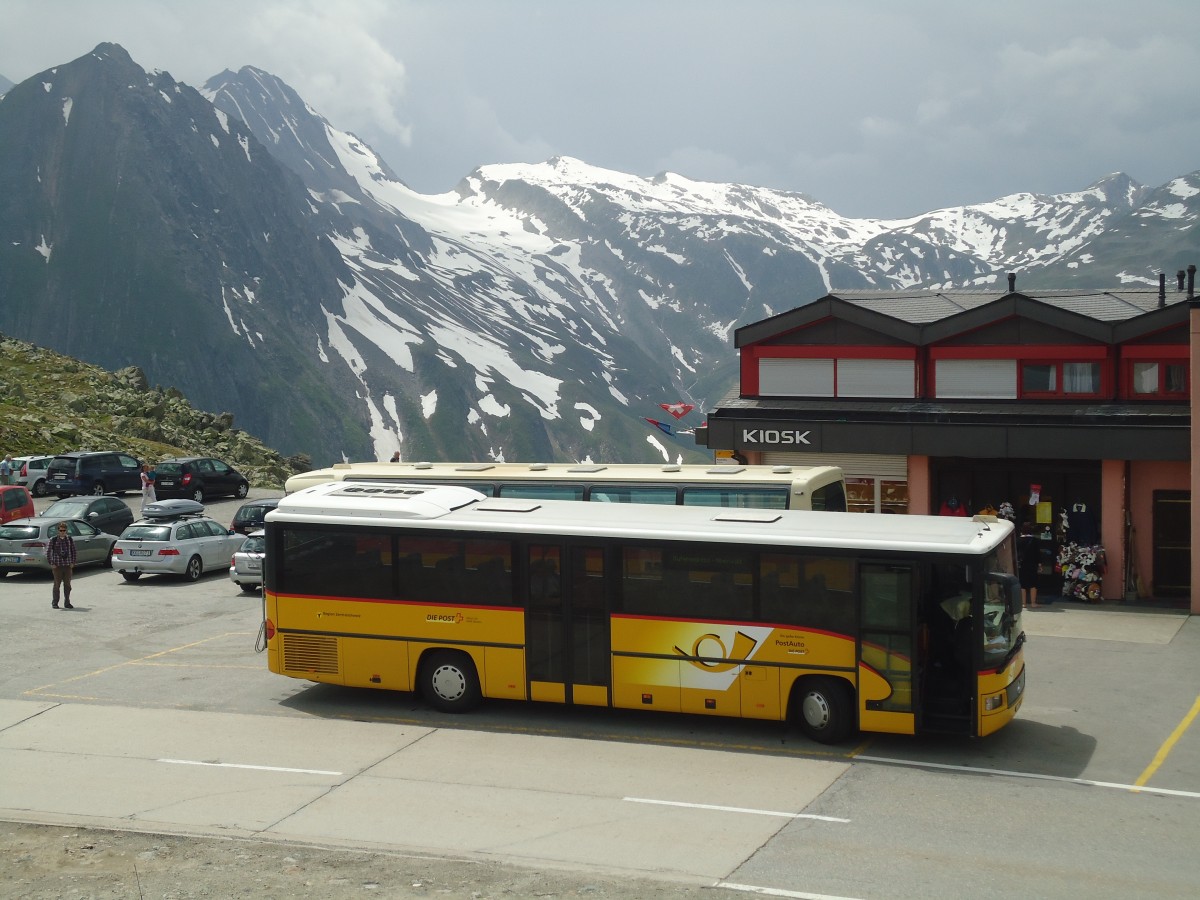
x: 254, y: 545
x: 18, y: 532
x: 146, y: 533
x: 65, y: 508
x: 250, y: 514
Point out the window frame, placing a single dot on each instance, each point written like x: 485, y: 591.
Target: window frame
x: 1163, y: 360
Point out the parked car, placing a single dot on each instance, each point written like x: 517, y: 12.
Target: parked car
x: 252, y: 514
x: 198, y: 478
x: 246, y: 567
x: 23, y: 544
x: 106, y: 513
x: 32, y: 474
x: 97, y: 473
x: 174, y: 538
x: 15, y: 503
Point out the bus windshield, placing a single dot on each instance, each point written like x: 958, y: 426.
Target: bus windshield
x: 1001, y: 607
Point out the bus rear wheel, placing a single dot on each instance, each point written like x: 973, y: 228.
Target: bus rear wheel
x: 824, y: 709
x: 449, y: 682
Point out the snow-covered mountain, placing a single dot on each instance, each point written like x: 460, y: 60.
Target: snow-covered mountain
x: 534, y: 312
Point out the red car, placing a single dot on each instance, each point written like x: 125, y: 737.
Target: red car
x: 15, y: 503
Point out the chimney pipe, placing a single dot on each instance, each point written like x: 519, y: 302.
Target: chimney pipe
x: 1162, y: 289
x: 1179, y: 276
x: 1191, y: 281
x: 1012, y: 281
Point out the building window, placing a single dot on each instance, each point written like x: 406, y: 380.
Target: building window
x: 866, y: 493
x: 1039, y: 378
x: 970, y: 379
x: 800, y: 377
x: 1060, y: 379
x: 1166, y: 379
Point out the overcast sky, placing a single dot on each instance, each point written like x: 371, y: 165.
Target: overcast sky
x: 876, y: 108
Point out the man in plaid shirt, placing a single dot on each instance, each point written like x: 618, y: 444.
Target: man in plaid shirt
x: 60, y: 553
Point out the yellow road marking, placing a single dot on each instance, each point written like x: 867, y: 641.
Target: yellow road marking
x: 131, y: 662
x: 1168, y: 745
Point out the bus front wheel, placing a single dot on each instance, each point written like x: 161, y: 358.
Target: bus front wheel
x: 449, y: 682
x: 824, y: 709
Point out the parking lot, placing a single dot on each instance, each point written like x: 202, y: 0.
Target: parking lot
x: 156, y: 696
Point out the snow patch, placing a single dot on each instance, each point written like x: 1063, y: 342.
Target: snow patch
x: 429, y: 404
x: 591, y: 415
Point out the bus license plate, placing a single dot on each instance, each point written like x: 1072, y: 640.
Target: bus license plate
x: 139, y: 552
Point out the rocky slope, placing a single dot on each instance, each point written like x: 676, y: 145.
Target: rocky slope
x: 50, y: 403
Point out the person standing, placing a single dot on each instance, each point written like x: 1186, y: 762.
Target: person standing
x: 396, y: 456
x: 147, y: 485
x: 60, y: 553
x: 6, y: 469
x: 1028, y: 550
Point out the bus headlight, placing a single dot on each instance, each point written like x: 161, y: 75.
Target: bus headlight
x: 993, y: 703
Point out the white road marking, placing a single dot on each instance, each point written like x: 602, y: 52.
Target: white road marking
x: 777, y: 892
x: 1132, y: 788
x: 196, y: 762
x: 737, y: 809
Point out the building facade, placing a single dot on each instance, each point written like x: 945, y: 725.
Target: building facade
x: 1070, y: 408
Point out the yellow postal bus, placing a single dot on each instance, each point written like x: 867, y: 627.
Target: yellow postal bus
x: 765, y: 487
x: 836, y: 621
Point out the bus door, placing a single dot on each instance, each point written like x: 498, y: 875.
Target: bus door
x: 567, y: 657
x: 886, y: 640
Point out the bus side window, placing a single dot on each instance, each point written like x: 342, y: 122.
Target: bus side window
x: 830, y: 498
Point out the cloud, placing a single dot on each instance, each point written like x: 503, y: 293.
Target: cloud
x: 872, y: 107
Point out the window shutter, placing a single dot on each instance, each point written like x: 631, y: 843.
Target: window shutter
x: 982, y: 379
x: 795, y: 377
x: 876, y: 378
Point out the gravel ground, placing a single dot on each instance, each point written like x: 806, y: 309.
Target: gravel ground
x: 43, y: 862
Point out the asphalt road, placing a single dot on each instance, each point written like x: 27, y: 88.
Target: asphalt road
x: 156, y: 694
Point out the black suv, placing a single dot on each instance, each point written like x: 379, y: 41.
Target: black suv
x: 197, y: 478
x: 252, y: 516
x: 95, y: 473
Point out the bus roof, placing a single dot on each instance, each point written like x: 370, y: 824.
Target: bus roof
x: 569, y: 472
x: 441, y: 507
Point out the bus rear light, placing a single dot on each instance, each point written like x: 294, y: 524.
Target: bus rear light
x: 269, y: 627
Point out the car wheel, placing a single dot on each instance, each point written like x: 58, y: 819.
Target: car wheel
x: 108, y: 559
x: 249, y: 588
x: 131, y: 576
x: 198, y: 495
x: 98, y: 489
x: 242, y: 490
x: 824, y: 709
x: 194, y: 569
x: 448, y: 681
x: 39, y: 488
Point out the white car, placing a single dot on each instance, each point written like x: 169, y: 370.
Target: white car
x: 246, y: 567
x: 31, y: 472
x: 174, y: 537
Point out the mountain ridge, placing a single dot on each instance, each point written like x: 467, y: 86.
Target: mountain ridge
x: 534, y: 311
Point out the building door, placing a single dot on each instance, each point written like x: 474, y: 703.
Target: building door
x: 1171, y: 540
